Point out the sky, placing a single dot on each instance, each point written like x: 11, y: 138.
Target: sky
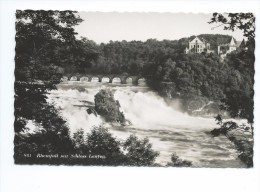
x: 102, y: 27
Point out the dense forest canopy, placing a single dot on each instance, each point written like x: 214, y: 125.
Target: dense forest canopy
x: 164, y: 61
x: 130, y: 57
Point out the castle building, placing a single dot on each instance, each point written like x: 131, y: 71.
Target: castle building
x: 198, y: 45
x: 225, y: 46
x: 230, y: 46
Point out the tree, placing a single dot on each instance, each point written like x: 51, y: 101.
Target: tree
x: 243, y: 60
x: 37, y: 32
x: 233, y: 21
x: 78, y: 139
x: 239, y: 94
x: 38, y: 36
x: 101, y: 142
x: 139, y: 152
x: 240, y: 135
x: 177, y: 162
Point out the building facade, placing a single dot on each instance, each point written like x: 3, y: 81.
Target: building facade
x: 230, y: 46
x: 198, y: 45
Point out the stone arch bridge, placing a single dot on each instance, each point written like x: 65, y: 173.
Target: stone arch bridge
x: 123, y: 79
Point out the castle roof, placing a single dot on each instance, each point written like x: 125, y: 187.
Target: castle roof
x: 231, y: 41
x: 238, y: 43
x: 199, y: 38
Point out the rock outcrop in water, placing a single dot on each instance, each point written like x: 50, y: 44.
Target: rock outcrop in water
x: 91, y: 110
x: 107, y: 107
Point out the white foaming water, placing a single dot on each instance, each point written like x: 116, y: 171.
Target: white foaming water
x: 73, y: 108
x: 169, y: 130
x: 149, y: 110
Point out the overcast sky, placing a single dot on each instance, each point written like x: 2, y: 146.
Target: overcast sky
x: 106, y: 26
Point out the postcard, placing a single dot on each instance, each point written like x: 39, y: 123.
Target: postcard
x: 134, y: 89
x: 129, y: 95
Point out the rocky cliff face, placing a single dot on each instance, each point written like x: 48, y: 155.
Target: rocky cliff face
x: 107, y: 107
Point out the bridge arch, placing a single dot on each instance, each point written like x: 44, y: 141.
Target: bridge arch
x: 95, y: 79
x: 129, y: 80
x: 73, y: 78
x: 116, y: 80
x: 141, y: 81
x: 105, y: 79
x: 84, y: 78
x: 64, y: 78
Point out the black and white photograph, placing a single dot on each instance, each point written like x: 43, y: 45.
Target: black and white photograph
x: 139, y: 89
x: 129, y: 95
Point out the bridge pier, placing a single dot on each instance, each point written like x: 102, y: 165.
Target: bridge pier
x: 123, y: 80
x: 135, y: 80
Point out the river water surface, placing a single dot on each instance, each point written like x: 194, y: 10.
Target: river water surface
x: 168, y: 129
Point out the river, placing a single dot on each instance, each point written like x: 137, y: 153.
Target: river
x: 168, y: 129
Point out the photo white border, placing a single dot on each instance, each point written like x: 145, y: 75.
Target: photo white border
x: 83, y: 178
